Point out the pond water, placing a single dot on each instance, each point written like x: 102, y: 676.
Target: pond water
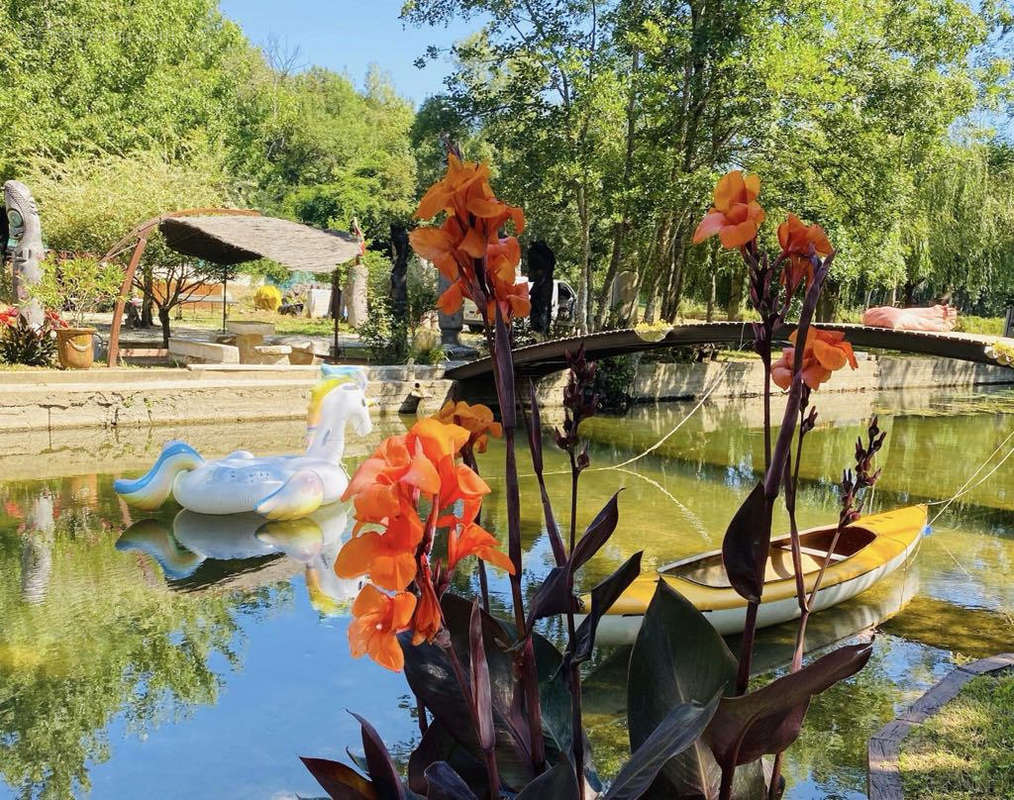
x: 160, y: 653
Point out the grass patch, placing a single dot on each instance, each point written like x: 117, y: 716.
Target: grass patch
x: 284, y: 324
x: 988, y: 326
x: 966, y: 750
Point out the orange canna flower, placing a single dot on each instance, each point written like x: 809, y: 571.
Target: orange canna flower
x: 472, y: 540
x: 736, y: 215
x: 476, y: 419
x: 428, y: 618
x: 437, y: 440
x: 469, y: 235
x: 798, y: 241
x: 378, y: 620
x: 392, y: 463
x: 389, y: 558
x: 825, y: 352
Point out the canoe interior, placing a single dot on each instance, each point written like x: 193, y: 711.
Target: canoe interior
x: 709, y: 570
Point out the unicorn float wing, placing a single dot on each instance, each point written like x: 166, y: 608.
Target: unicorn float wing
x: 277, y: 487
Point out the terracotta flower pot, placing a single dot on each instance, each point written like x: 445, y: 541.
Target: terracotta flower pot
x: 74, y: 346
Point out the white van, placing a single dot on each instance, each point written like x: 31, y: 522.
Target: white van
x: 561, y: 313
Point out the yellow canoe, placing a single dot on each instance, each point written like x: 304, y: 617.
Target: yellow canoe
x: 867, y: 551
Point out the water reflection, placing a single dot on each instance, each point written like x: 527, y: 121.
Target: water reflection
x: 310, y: 543
x: 125, y: 642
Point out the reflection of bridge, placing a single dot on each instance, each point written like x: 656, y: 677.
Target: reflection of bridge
x: 541, y: 359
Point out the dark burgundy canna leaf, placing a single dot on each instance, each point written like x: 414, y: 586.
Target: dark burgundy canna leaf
x: 443, y: 783
x: 674, y: 734
x: 603, y: 596
x: 558, y: 783
x: 341, y: 782
x: 535, y: 446
x: 504, y: 359
x: 432, y: 680
x: 746, y: 545
x: 596, y: 535
x: 678, y: 658
x: 437, y: 744
x: 383, y: 773
x: 768, y: 720
x: 482, y: 699
x: 552, y: 597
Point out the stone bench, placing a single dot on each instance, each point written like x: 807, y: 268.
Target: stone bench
x: 308, y: 352
x: 269, y: 354
x: 192, y: 351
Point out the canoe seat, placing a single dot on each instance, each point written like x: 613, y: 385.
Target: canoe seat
x: 711, y: 572
x: 813, y: 551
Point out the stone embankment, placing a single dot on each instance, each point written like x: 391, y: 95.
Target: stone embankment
x: 674, y: 381
x: 48, y: 400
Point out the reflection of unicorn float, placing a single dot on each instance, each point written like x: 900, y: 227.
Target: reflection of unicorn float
x: 313, y: 541
x: 277, y: 487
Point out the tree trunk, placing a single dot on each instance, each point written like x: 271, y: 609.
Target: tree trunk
x: 651, y: 308
x: 677, y: 290
x: 147, y: 299
x: 584, y: 292
x: 163, y: 318
x: 827, y: 306
x: 733, y: 308
x: 620, y: 228
x: 713, y: 269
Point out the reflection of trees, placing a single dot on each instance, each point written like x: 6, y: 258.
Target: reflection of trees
x: 103, y: 639
x: 831, y: 750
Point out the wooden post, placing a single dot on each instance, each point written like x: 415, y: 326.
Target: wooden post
x: 121, y: 301
x: 336, y: 302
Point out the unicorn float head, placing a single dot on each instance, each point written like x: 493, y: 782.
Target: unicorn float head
x: 277, y: 487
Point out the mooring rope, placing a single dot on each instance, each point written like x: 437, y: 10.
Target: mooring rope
x: 704, y: 397
x: 680, y: 424
x: 968, y: 486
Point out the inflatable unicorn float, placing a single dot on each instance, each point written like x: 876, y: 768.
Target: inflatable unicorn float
x: 275, y: 487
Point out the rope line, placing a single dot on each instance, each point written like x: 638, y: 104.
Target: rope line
x: 968, y: 486
x: 660, y: 442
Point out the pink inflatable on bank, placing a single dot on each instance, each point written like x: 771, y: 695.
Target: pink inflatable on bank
x: 934, y: 318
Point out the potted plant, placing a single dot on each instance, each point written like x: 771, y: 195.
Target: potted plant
x: 79, y: 285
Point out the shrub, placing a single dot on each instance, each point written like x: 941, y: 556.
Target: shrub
x: 23, y: 343
x: 79, y: 285
x: 267, y: 298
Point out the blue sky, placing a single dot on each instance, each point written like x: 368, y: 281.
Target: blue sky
x: 349, y: 35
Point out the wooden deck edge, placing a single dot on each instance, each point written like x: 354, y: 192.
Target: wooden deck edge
x: 884, y: 747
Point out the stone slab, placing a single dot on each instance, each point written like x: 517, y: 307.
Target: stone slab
x: 884, y: 748
x: 191, y: 350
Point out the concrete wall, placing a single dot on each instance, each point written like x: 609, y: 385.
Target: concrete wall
x: 48, y: 400
x: 744, y: 378
x: 54, y: 400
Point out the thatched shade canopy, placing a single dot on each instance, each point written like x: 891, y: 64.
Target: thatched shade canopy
x: 235, y: 239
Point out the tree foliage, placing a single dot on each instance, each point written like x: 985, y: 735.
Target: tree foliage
x: 610, y: 117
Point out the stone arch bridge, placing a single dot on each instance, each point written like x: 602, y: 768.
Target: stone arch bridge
x: 544, y: 358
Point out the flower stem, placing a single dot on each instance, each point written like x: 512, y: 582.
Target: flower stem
x: 492, y: 772
x: 577, y: 724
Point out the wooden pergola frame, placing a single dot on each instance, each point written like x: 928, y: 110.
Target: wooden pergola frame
x: 139, y: 238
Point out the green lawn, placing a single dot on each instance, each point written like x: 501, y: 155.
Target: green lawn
x: 966, y: 750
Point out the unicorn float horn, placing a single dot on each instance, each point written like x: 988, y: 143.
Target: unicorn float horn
x: 153, y: 488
